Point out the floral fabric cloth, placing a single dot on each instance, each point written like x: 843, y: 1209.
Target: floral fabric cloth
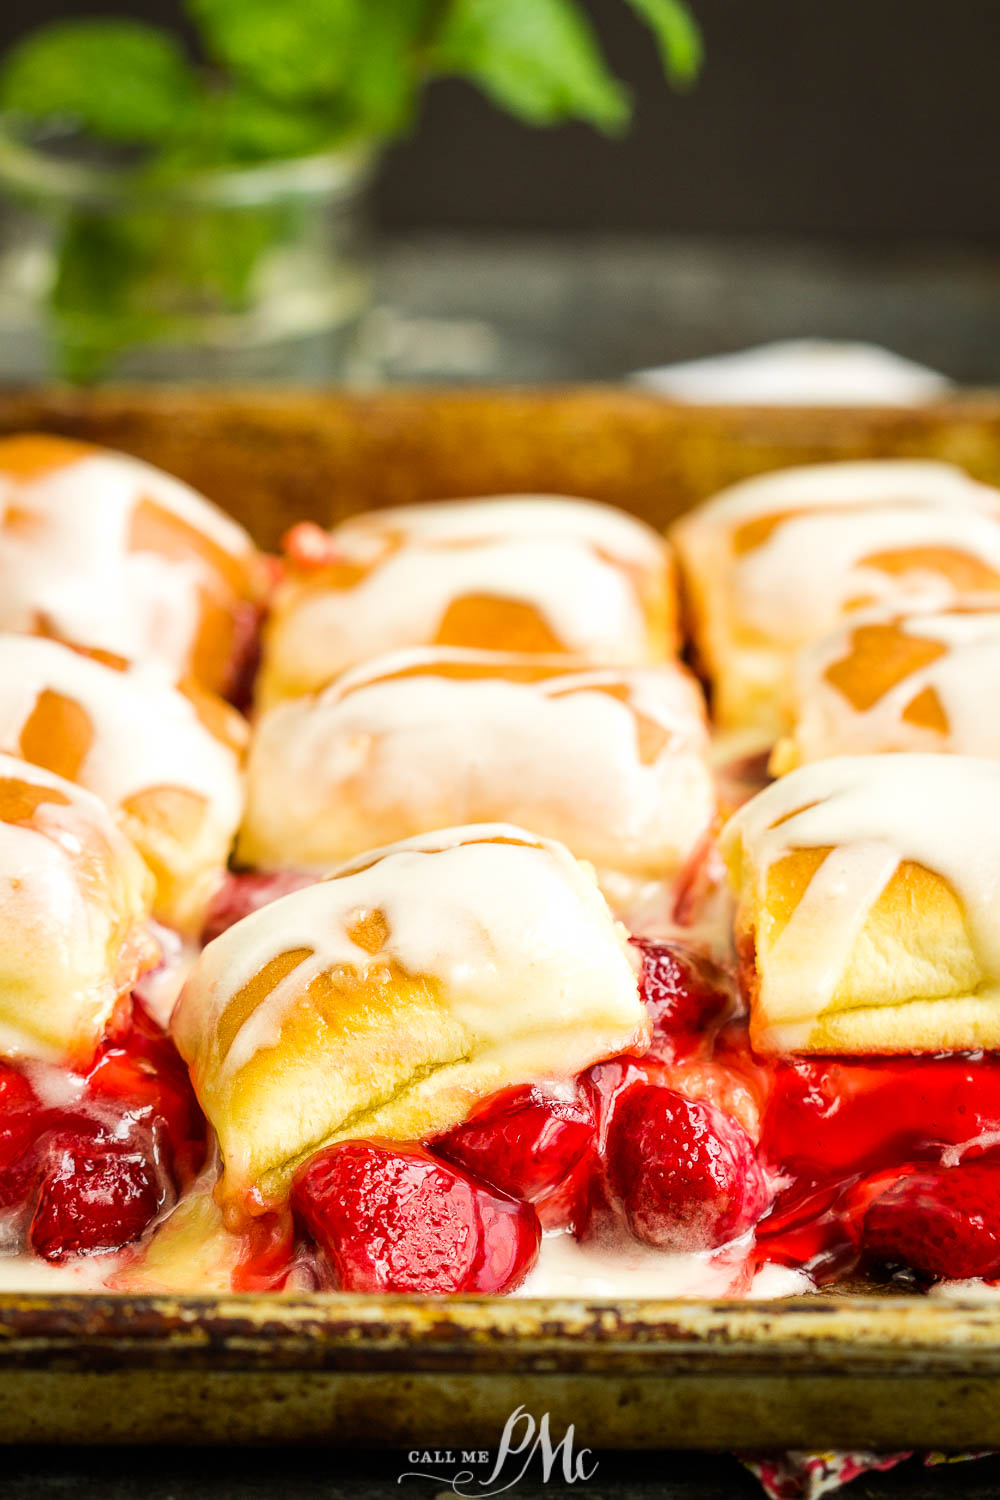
x: 807, y: 1476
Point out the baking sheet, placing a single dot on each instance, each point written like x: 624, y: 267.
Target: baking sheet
x: 849, y: 1370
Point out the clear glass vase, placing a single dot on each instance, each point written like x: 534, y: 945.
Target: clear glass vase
x: 255, y: 274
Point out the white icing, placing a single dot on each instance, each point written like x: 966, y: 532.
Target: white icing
x: 74, y: 568
x: 84, y: 1273
x: 827, y: 723
x: 379, y: 756
x: 939, y: 811
x: 488, y: 517
x: 146, y: 733
x: 588, y: 570
x: 567, y: 1267
x: 796, y: 583
x: 516, y: 933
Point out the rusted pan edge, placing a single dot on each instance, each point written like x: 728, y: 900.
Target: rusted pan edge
x: 832, y: 1334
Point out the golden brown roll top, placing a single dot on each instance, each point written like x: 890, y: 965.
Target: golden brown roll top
x: 612, y: 761
x: 165, y: 759
x: 537, y: 574
x: 390, y: 997
x: 868, y: 905
x: 74, y: 903
x: 102, y: 550
x: 778, y: 561
x: 920, y: 679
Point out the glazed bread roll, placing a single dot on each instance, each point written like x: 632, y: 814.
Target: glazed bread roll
x: 612, y: 761
x: 868, y: 905
x: 74, y: 903
x: 527, y: 573
x: 919, y: 679
x: 777, y: 562
x: 389, y: 998
x: 165, y: 759
x: 101, y: 550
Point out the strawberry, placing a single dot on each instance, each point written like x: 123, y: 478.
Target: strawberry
x: 94, y: 1195
x: 526, y: 1143
x: 144, y: 1074
x: 686, y: 995
x: 23, y: 1118
x: 682, y: 1175
x: 941, y: 1221
x: 390, y: 1217
x: 246, y: 891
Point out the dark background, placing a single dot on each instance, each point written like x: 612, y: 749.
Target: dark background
x: 870, y: 120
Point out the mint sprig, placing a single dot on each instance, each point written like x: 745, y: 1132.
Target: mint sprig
x: 283, y: 79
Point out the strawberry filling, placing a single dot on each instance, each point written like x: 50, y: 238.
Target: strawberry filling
x: 88, y: 1160
x: 870, y: 1149
x: 832, y: 1162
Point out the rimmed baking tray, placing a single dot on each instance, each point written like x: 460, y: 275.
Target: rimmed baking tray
x: 850, y: 1370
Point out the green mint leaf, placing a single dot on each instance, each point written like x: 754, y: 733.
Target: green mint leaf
x: 381, y: 92
x: 293, y: 51
x: 238, y: 127
x: 536, y: 58
x: 677, y: 36
x: 121, y: 81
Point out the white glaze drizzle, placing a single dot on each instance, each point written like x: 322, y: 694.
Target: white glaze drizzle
x: 73, y: 565
x: 146, y: 732
x: 796, y: 583
x: 584, y: 567
x: 380, y: 755
x: 826, y: 722
x: 874, y: 812
x: 72, y: 891
x: 516, y: 933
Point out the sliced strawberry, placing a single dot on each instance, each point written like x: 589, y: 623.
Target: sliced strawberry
x: 687, y: 996
x: 525, y: 1142
x: 682, y: 1174
x: 941, y: 1221
x: 390, y: 1217
x: 246, y: 891
x: 94, y: 1195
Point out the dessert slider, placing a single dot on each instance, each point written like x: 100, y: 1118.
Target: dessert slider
x: 390, y: 998
x: 102, y: 550
x: 74, y: 903
x: 867, y: 903
x: 526, y: 573
x: 165, y: 758
x: 612, y: 761
x: 917, y: 679
x: 776, y: 562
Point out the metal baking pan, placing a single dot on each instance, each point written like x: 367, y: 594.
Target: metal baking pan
x: 845, y: 1370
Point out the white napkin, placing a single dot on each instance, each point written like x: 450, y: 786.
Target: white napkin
x: 799, y: 372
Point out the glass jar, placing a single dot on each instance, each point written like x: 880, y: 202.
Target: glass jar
x: 254, y: 274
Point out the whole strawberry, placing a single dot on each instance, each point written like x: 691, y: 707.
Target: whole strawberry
x: 941, y: 1221
x: 682, y: 1174
x: 389, y: 1217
